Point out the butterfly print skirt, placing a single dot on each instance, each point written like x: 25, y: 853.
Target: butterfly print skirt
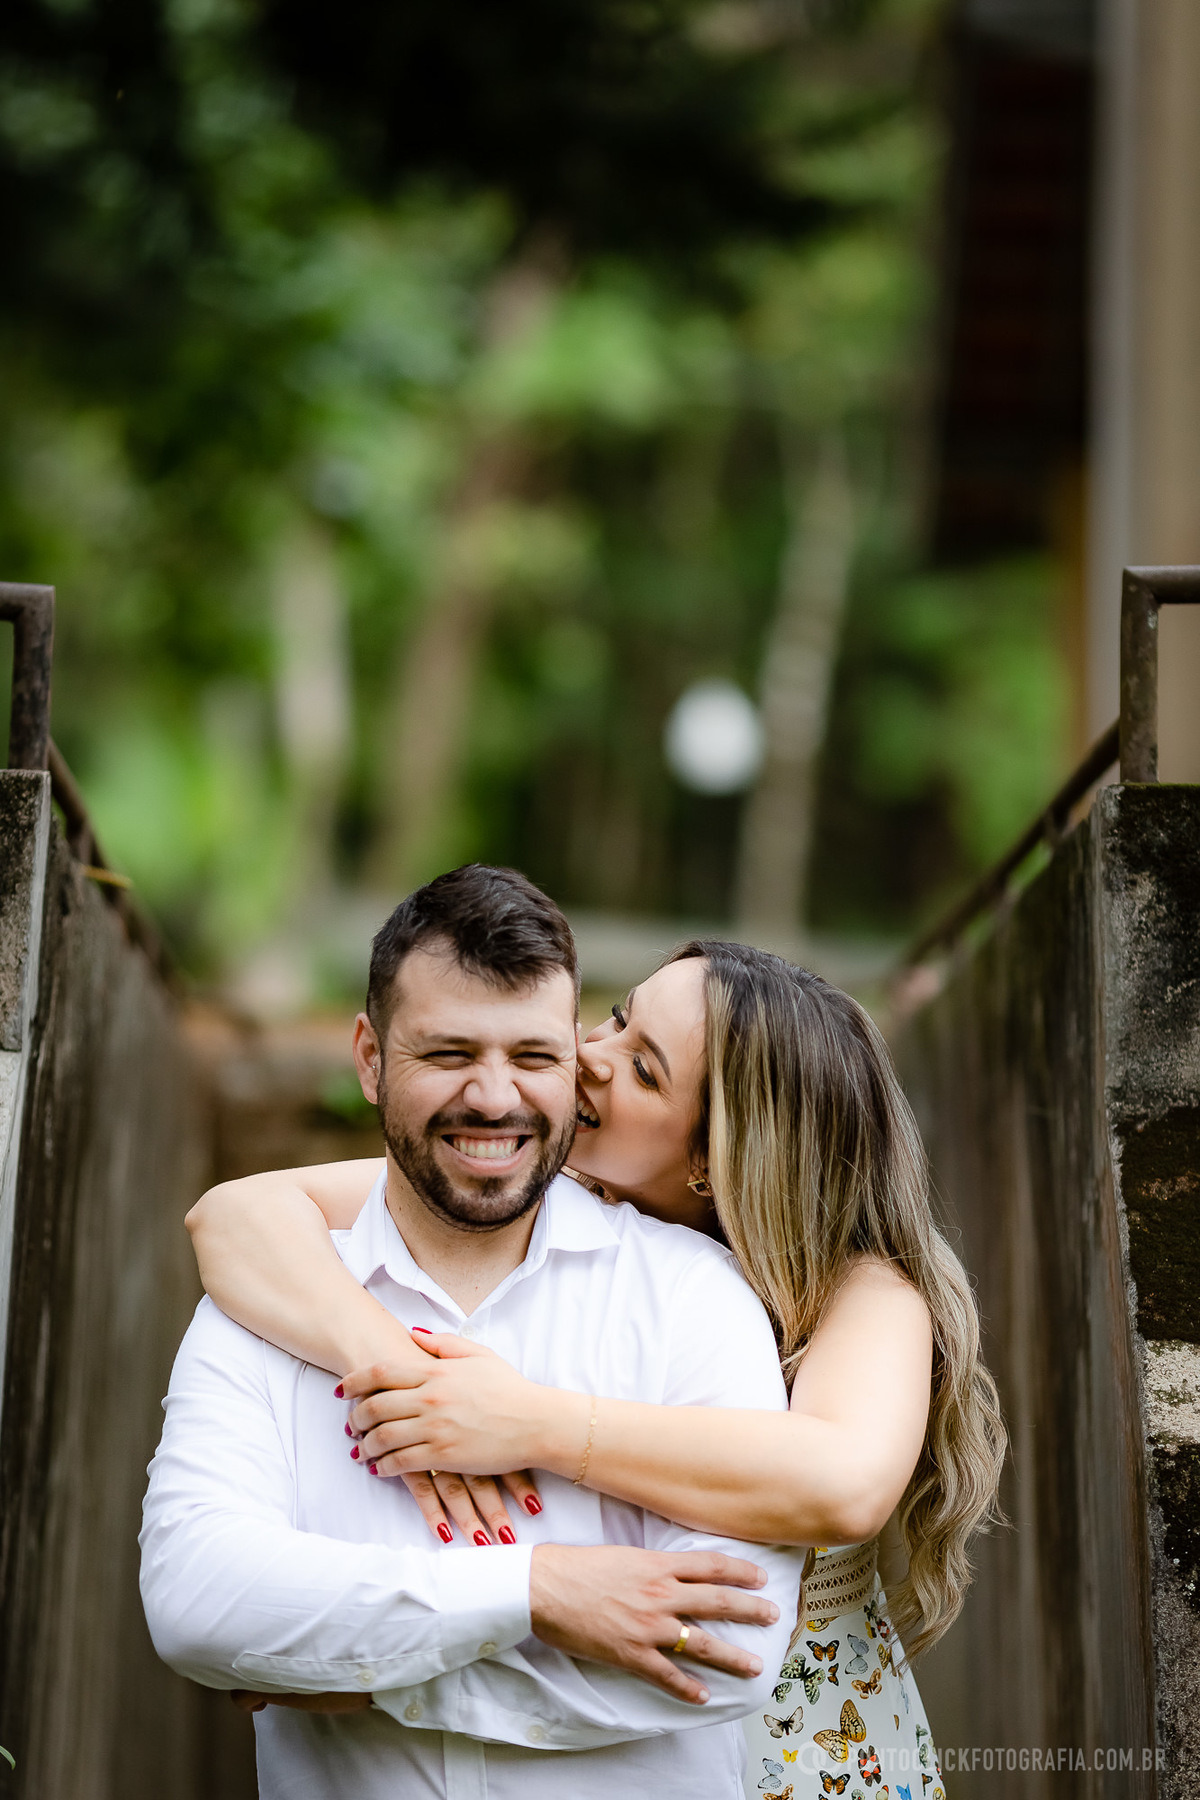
x: 844, y: 1720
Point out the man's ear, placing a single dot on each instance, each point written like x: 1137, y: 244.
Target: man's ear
x: 368, y: 1058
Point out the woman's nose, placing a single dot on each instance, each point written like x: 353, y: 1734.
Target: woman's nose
x: 594, y: 1058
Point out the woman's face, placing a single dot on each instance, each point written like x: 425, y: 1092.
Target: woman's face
x: 639, y: 1096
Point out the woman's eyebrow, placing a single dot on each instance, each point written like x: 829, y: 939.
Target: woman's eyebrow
x: 649, y: 1042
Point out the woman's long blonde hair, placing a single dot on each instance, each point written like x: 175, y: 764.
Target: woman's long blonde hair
x: 814, y: 1158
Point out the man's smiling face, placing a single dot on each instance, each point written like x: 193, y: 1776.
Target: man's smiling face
x: 475, y: 1085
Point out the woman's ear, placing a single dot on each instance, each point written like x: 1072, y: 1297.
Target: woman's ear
x: 700, y: 1185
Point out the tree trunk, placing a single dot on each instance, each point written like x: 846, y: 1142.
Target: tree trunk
x: 798, y: 666
x: 313, y: 703
x: 427, y: 723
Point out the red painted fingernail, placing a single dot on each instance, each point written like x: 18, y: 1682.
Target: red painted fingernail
x: 507, y: 1535
x: 533, y: 1504
x: 347, y: 1430
x: 424, y: 1330
x: 354, y: 1452
x: 372, y: 1468
x: 482, y: 1538
x: 445, y: 1533
x: 339, y: 1392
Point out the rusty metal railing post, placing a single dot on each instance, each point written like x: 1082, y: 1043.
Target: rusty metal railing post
x: 1131, y: 740
x: 31, y: 610
x: 30, y: 746
x: 1143, y: 591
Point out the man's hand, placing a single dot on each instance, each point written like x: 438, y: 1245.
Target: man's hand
x: 618, y: 1606
x: 628, y: 1608
x: 246, y: 1700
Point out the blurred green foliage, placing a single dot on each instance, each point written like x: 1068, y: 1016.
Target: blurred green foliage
x: 259, y: 422
x: 948, y: 735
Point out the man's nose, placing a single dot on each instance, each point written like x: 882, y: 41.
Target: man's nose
x: 492, y: 1090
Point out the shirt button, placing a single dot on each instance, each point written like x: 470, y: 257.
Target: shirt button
x: 365, y: 1677
x: 488, y: 1649
x: 469, y: 1331
x: 413, y: 1710
x: 536, y: 1733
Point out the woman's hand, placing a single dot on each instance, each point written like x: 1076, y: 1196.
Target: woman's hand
x: 466, y: 1410
x: 387, y: 1426
x: 473, y: 1502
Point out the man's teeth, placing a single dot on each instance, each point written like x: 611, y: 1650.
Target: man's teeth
x: 487, y: 1149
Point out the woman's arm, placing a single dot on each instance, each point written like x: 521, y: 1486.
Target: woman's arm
x: 830, y: 1471
x: 263, y: 1247
x: 264, y: 1253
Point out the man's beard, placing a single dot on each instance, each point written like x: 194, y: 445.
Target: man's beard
x: 488, y: 1203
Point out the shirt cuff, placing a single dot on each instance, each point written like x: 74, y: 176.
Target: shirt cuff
x: 484, y: 1595
x: 483, y: 1600
x: 478, y: 1603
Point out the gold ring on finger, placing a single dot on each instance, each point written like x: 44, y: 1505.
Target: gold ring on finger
x: 684, y: 1635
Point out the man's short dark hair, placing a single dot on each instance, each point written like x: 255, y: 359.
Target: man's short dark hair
x: 495, y: 923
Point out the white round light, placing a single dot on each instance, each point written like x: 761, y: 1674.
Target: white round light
x: 713, y: 739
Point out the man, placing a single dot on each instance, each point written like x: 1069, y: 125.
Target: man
x: 271, y: 1561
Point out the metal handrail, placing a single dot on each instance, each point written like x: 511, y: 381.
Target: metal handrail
x: 1131, y: 740
x: 31, y: 611
x: 1047, y: 828
x: 1143, y: 591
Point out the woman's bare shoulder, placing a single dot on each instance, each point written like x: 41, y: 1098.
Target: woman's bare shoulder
x: 874, y: 1282
x: 875, y: 1304
x: 867, y: 1270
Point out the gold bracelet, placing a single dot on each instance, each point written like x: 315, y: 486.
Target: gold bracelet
x: 587, y: 1449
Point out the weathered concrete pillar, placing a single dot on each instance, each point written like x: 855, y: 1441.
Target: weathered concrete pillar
x: 1057, y: 1079
x: 1149, y: 868
x: 24, y: 842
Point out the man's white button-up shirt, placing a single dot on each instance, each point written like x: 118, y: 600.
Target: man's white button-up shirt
x: 271, y: 1560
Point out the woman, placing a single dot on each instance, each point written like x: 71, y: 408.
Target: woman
x: 737, y: 1094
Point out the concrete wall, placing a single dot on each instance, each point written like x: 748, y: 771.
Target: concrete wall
x: 103, y: 1134
x: 1057, y: 1079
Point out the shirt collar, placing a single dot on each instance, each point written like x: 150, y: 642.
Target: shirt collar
x: 364, y: 1248
x: 569, y: 1219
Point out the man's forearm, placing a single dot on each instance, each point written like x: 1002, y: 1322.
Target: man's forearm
x: 537, y: 1694
x: 236, y: 1601
x: 236, y: 1596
